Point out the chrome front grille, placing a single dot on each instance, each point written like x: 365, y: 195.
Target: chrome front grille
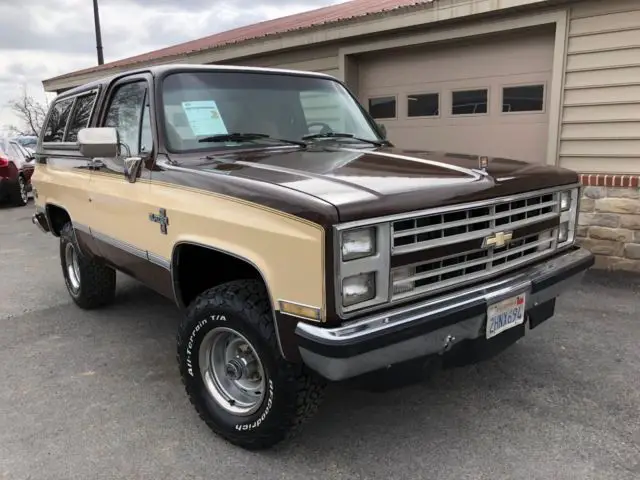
x: 471, y: 222
x: 473, y: 260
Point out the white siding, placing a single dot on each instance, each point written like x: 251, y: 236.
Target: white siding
x: 323, y: 60
x: 601, y: 109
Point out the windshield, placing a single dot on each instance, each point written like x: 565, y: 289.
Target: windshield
x: 198, y: 105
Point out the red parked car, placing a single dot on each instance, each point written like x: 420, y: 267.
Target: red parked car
x: 16, y: 168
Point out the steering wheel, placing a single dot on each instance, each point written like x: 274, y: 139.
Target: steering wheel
x: 325, y: 128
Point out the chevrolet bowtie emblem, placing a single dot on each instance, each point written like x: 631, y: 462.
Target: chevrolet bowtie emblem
x: 498, y: 239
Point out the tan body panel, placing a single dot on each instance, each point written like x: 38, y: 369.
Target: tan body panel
x: 64, y: 186
x: 288, y: 251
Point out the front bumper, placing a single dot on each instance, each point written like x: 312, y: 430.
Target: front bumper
x: 39, y: 219
x: 437, y: 325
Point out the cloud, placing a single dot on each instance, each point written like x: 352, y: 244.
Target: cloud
x: 39, y: 40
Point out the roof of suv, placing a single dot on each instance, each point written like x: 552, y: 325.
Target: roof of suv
x: 163, y: 69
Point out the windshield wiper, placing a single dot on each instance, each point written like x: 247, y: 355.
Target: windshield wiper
x: 242, y: 137
x: 310, y: 136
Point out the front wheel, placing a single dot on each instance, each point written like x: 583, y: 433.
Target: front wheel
x: 234, y: 373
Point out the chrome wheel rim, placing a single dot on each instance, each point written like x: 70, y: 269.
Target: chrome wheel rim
x: 232, y: 371
x: 71, y: 264
x: 23, y: 190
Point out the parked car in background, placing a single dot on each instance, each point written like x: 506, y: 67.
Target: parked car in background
x: 16, y: 168
x: 27, y: 141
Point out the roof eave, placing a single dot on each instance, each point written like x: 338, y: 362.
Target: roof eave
x: 404, y: 17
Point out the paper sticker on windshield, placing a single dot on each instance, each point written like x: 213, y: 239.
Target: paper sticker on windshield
x: 204, y: 118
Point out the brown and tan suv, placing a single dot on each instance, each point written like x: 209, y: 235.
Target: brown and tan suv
x: 302, y: 245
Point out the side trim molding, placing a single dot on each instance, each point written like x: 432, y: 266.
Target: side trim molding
x: 127, y: 247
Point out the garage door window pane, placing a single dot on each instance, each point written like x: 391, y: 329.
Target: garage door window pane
x: 382, y: 107
x: 469, y: 102
x: 423, y: 105
x: 528, y: 98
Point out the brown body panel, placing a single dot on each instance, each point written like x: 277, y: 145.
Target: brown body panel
x: 366, y: 183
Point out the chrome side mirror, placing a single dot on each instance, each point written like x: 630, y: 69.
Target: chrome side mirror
x: 132, y: 168
x: 98, y: 142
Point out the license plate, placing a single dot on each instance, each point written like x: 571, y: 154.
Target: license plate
x: 506, y: 314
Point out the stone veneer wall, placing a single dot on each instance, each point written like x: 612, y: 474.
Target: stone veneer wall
x: 609, y: 221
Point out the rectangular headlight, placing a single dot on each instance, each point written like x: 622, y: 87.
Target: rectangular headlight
x: 565, y: 200
x: 358, y: 288
x: 358, y: 243
x: 563, y: 232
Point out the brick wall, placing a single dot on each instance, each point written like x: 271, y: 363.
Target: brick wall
x: 609, y: 221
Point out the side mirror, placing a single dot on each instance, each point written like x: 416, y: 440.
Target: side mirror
x: 383, y: 130
x: 98, y: 142
x: 132, y: 168
x: 29, y: 158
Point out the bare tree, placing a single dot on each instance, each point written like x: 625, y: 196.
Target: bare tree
x: 30, y: 112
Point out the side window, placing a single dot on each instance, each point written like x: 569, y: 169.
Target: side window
x: 125, y: 114
x: 54, y: 130
x: 80, y: 116
x: 146, y: 138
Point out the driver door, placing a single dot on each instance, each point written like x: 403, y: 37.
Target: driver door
x: 120, y: 209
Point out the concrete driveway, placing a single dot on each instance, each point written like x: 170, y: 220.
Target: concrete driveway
x: 97, y: 395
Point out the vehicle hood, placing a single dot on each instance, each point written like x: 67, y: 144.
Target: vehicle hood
x: 371, y: 182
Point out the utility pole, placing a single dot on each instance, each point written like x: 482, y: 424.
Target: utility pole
x: 96, y: 20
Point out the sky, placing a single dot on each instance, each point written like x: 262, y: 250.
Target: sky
x: 41, y: 39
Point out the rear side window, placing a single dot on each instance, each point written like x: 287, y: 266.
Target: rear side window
x: 57, y: 121
x: 80, y: 116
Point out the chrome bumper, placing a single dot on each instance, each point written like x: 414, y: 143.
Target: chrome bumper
x: 433, y: 326
x: 39, y: 219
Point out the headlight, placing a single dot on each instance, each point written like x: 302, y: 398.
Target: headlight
x: 563, y: 232
x: 568, y: 216
x: 358, y: 244
x: 565, y: 201
x: 358, y: 288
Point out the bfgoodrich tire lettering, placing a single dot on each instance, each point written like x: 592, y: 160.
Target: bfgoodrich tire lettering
x: 91, y: 284
x: 292, y: 393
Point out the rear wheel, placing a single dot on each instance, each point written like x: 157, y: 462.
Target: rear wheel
x: 20, y: 197
x: 90, y: 283
x: 234, y: 373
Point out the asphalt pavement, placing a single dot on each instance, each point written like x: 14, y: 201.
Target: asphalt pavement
x: 97, y: 395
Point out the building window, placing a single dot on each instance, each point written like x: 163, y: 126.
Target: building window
x: 423, y: 105
x: 382, y: 107
x: 526, y: 98
x: 57, y: 121
x: 469, y: 102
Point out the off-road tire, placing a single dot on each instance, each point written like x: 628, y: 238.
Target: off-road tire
x: 97, y: 280
x: 17, y: 199
x: 294, y: 392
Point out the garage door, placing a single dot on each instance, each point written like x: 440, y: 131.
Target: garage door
x: 486, y: 96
